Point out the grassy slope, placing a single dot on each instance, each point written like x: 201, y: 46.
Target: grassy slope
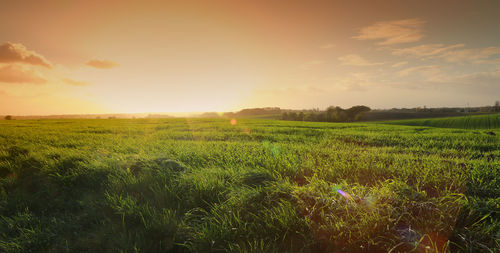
x: 489, y: 121
x: 199, y: 185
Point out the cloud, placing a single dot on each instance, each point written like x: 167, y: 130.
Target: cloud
x: 393, y: 32
x: 356, y: 82
x: 356, y: 60
x: 492, y: 77
x: 475, y: 55
x: 17, y: 53
x: 451, y: 53
x: 427, y: 73
x: 426, y: 50
x: 74, y: 82
x: 495, y: 61
x: 484, y: 82
x: 399, y: 64
x: 101, y: 64
x: 418, y: 69
x: 327, y: 46
x: 15, y: 73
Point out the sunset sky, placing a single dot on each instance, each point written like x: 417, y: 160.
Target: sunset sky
x: 73, y: 57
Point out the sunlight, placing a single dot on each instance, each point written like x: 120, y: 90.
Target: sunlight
x: 249, y: 126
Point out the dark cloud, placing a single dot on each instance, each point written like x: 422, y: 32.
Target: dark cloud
x: 13, y: 52
x: 14, y: 73
x: 101, y: 64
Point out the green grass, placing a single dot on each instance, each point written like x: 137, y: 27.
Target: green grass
x: 201, y: 185
x: 489, y: 121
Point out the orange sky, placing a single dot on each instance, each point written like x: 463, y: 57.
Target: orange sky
x: 63, y: 57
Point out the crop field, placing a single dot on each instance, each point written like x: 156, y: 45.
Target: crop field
x: 489, y: 121
x: 247, y: 185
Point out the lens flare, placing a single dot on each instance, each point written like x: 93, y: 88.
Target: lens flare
x: 344, y: 194
x: 233, y: 122
x: 266, y: 144
x: 369, y: 202
x: 274, y: 148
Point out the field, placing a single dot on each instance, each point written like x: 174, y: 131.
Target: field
x: 202, y: 185
x: 489, y: 121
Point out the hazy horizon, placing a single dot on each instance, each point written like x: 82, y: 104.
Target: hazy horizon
x: 94, y: 57
x: 199, y: 113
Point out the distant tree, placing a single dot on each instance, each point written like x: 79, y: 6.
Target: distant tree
x: 284, y: 116
x: 335, y: 114
x: 309, y: 116
x: 354, y: 113
x: 321, y: 117
x: 301, y: 116
x: 8, y: 117
x: 497, y: 106
x: 331, y: 114
x: 259, y: 111
x: 229, y: 114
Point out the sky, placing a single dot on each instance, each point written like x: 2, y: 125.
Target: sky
x: 78, y: 57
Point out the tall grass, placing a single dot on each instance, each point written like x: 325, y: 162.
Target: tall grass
x: 490, y: 121
x: 181, y: 185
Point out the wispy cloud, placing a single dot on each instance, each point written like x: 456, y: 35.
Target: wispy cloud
x: 327, y: 46
x: 428, y: 73
x: 399, y: 64
x: 450, y: 53
x: 17, y: 53
x: 357, y: 81
x: 393, y: 32
x: 418, y: 69
x: 494, y: 61
x: 475, y: 55
x: 485, y: 78
x: 16, y: 73
x: 482, y: 82
x: 426, y: 50
x: 74, y: 82
x: 356, y: 60
x: 101, y: 64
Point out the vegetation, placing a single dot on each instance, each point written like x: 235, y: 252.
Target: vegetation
x: 156, y: 185
x: 249, y: 112
x: 331, y: 114
x: 490, y: 121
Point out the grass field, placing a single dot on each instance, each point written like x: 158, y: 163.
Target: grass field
x: 180, y: 185
x: 489, y: 121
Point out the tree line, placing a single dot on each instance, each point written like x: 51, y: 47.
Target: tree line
x: 331, y: 114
